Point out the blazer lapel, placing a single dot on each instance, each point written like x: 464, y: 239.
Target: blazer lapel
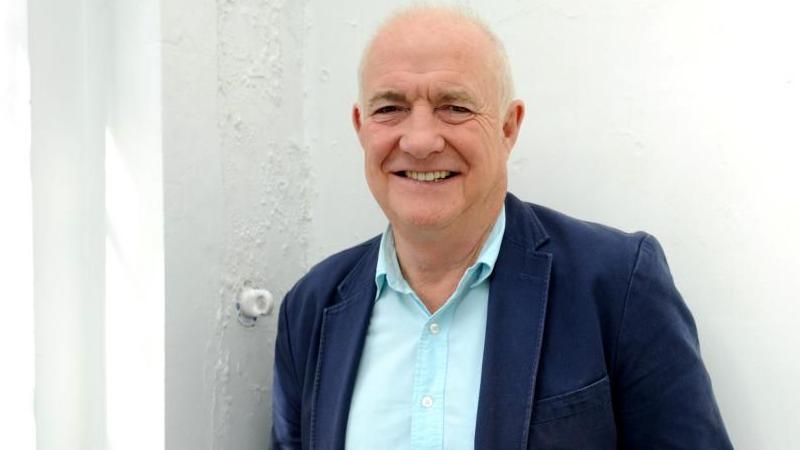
x: 342, y: 336
x: 515, y: 323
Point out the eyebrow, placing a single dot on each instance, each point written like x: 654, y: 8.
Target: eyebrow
x: 454, y: 96
x: 391, y: 96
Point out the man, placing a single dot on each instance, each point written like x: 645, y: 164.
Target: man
x: 477, y: 320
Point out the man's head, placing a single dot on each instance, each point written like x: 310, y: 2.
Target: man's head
x: 435, y: 119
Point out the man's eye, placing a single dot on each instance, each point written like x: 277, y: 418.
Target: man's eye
x: 386, y: 109
x: 456, y: 109
x: 454, y: 114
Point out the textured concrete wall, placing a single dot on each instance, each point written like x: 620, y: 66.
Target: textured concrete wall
x: 236, y: 205
x: 266, y: 183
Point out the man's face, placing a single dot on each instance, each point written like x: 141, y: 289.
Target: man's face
x: 434, y: 138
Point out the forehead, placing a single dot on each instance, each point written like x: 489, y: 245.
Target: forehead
x: 428, y: 50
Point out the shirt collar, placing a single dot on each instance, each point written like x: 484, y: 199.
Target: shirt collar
x: 387, y: 271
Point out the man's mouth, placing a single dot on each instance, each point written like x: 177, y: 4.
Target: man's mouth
x: 436, y: 175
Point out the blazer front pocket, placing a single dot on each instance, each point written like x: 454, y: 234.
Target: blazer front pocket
x: 581, y: 419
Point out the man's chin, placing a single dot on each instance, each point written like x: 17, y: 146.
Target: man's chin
x: 424, y: 221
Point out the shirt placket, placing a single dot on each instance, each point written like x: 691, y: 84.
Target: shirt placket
x: 430, y: 374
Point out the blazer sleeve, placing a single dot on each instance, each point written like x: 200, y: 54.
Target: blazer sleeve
x: 286, y: 391
x: 662, y: 392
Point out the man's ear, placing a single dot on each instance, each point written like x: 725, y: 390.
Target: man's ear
x: 513, y: 122
x: 356, y: 116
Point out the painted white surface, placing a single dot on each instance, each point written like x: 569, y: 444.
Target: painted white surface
x: 67, y: 148
x: 97, y: 224
x: 193, y: 223
x: 236, y: 208
x: 16, y: 239
x: 134, y: 229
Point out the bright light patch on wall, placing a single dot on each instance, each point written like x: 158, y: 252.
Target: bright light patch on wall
x: 134, y: 313
x: 16, y: 241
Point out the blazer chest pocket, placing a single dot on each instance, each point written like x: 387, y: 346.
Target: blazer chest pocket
x: 581, y: 419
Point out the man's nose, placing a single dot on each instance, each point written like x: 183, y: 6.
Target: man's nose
x: 421, y: 136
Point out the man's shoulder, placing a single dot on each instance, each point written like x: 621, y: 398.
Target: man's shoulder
x: 320, y: 283
x: 586, y: 251
x: 340, y: 264
x: 563, y: 227
x: 565, y: 233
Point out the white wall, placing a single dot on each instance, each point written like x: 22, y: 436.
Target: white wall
x: 67, y: 148
x: 17, y: 376
x: 97, y: 224
x: 236, y: 208
x: 679, y: 118
x: 193, y: 222
x: 134, y: 228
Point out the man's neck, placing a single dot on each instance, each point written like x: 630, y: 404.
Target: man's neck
x: 434, y: 262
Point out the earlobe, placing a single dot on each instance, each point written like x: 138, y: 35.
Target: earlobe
x: 356, y: 116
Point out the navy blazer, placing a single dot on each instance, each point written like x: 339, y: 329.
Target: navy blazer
x: 588, y: 345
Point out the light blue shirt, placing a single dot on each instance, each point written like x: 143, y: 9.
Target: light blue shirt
x: 419, y: 377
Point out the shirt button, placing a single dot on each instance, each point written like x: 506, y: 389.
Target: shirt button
x: 427, y: 401
x: 434, y: 327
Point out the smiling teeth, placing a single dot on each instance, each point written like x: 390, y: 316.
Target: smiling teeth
x: 427, y: 176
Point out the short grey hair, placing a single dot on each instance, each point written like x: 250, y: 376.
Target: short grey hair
x: 458, y: 13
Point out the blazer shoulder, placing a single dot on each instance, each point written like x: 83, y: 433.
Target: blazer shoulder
x: 593, y: 255
x: 317, y: 287
x: 591, y: 239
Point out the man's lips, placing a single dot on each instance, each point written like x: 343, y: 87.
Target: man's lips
x: 427, y: 176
